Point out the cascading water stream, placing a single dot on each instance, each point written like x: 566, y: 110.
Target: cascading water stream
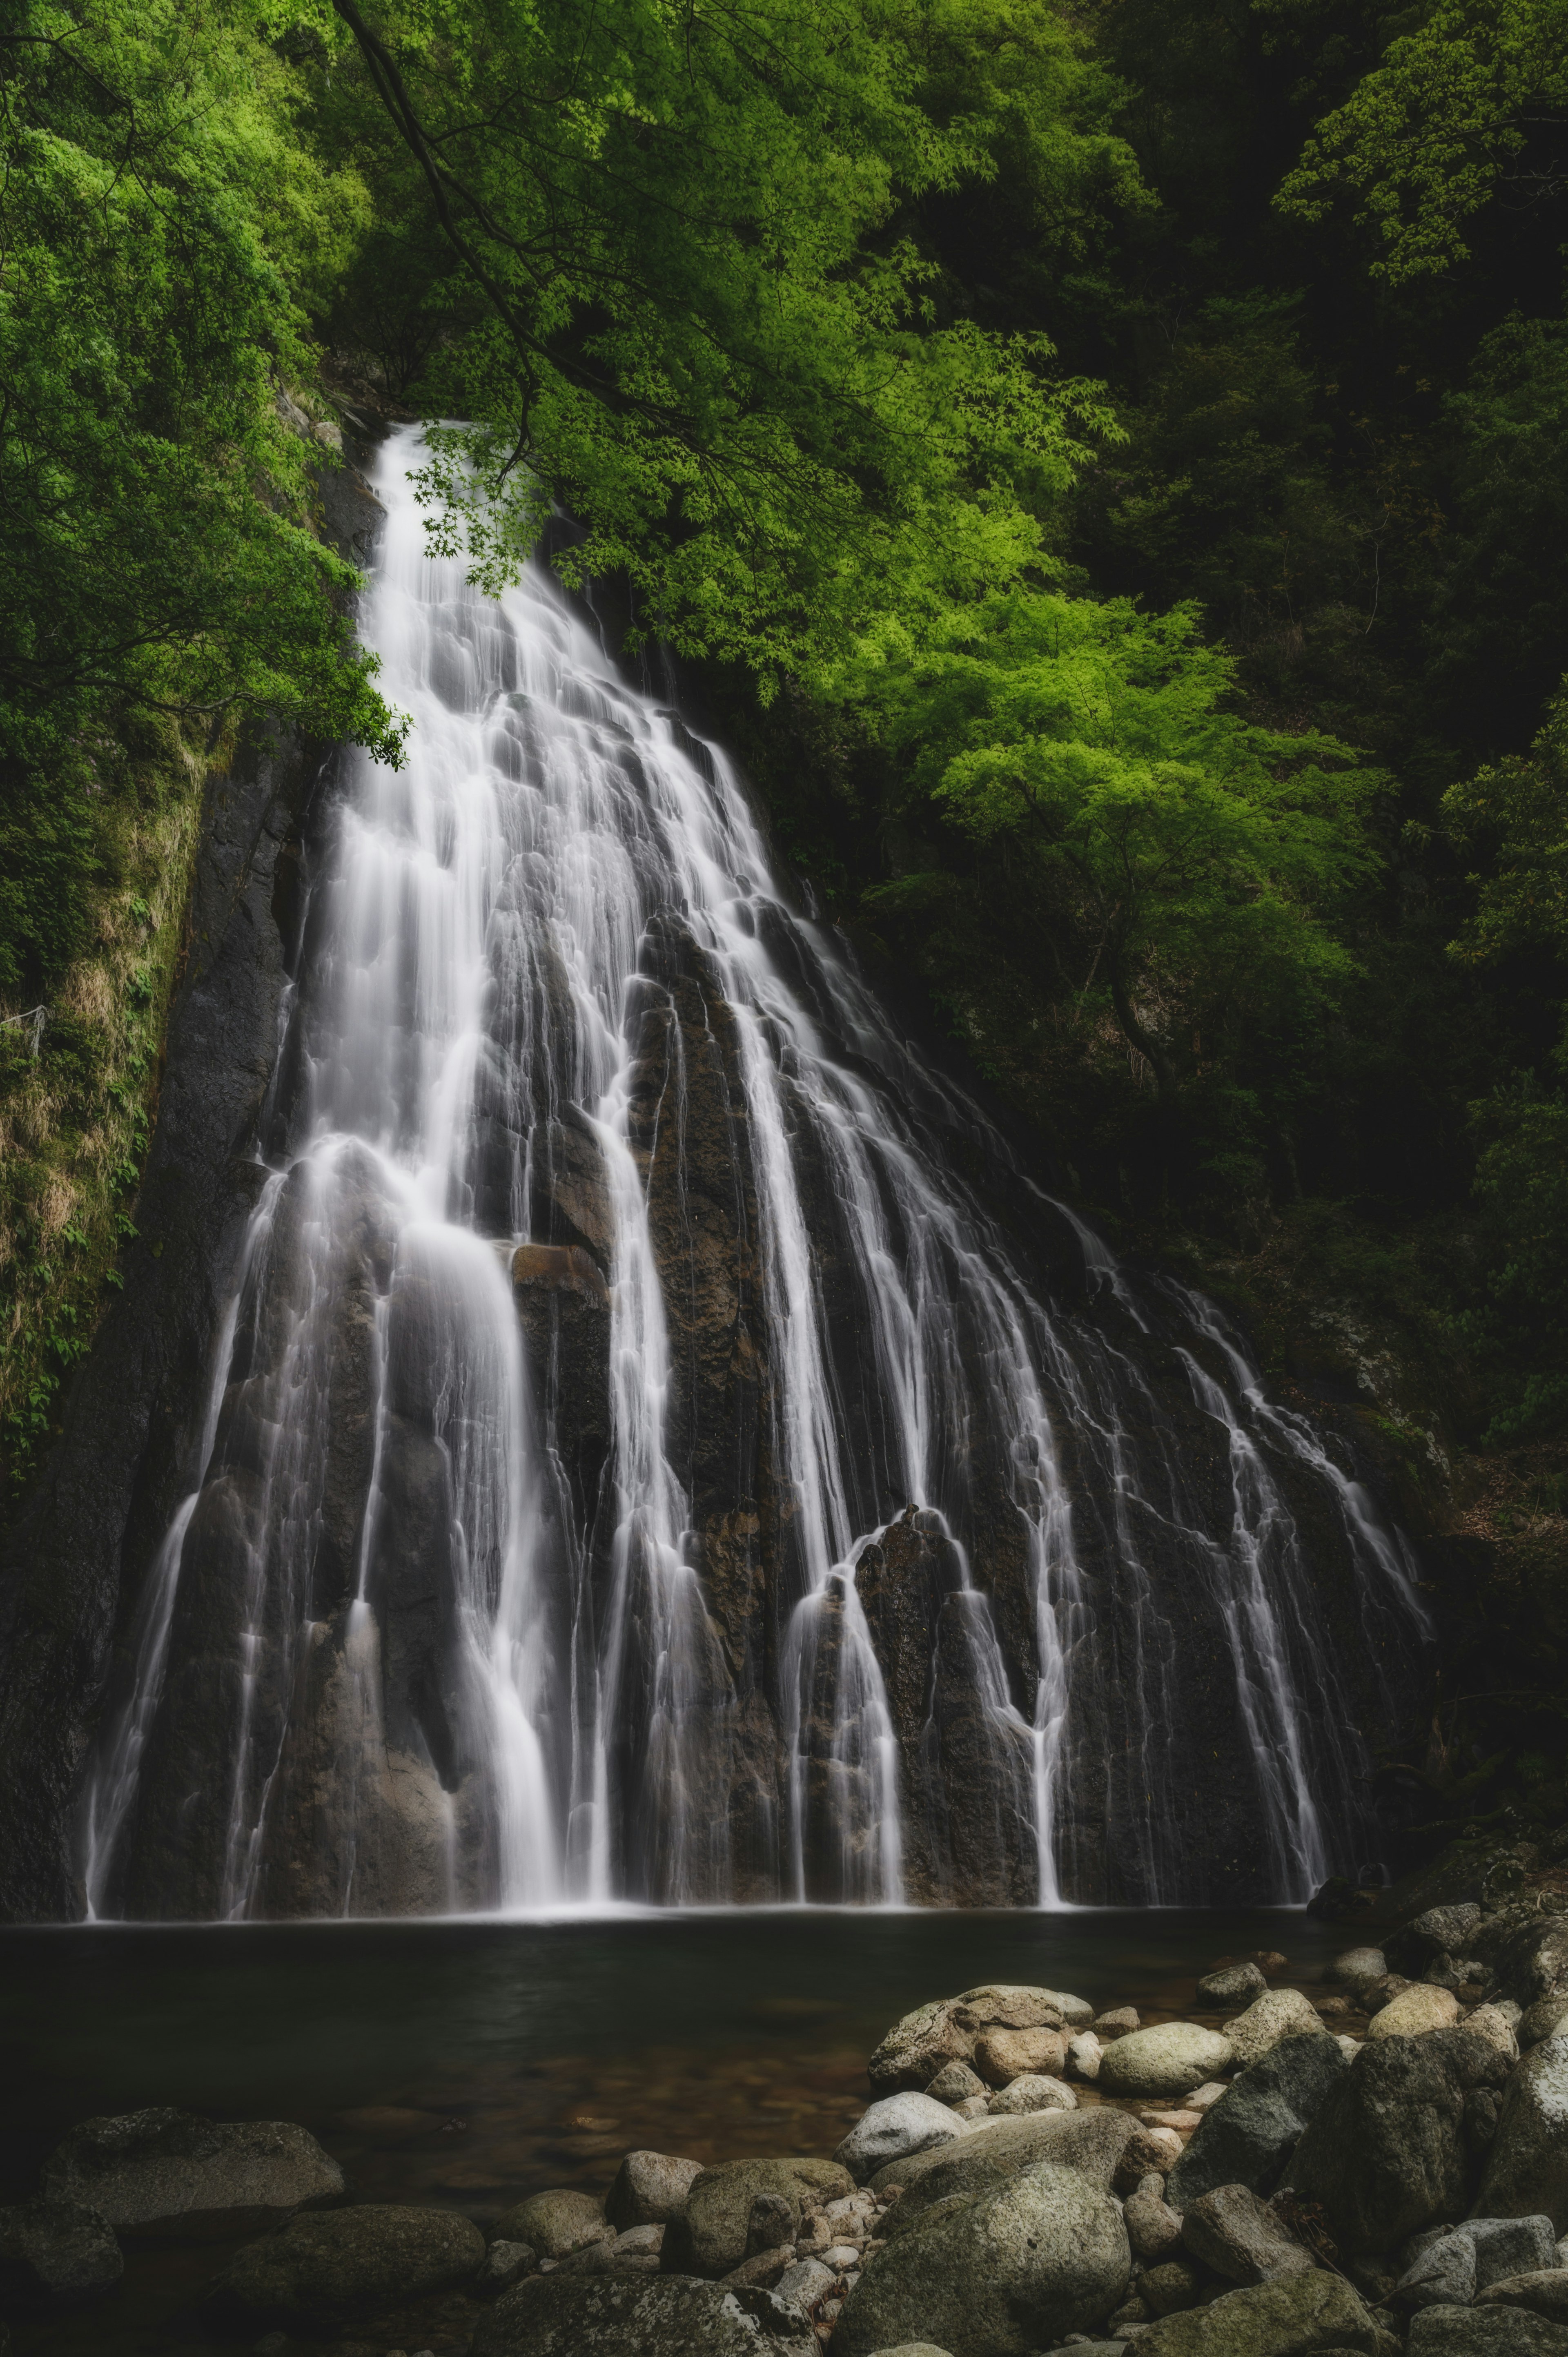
x: 637, y: 1464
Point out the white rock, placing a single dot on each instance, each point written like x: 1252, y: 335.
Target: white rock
x: 892, y: 2130
x: 1083, y: 2054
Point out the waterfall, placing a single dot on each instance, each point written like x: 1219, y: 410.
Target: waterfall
x: 661, y: 1444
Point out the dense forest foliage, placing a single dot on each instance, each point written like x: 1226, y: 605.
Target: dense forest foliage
x: 1105, y: 462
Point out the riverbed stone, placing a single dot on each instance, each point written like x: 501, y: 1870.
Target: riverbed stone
x: 899, y: 2124
x: 955, y: 2082
x: 169, y: 2175
x: 1084, y: 2055
x: 1533, y: 1963
x: 1496, y: 2331
x: 330, y: 2266
x: 1231, y: 2231
x: 710, y: 2236
x: 1032, y: 2094
x: 652, y: 2316
x: 1384, y: 2155
x: 503, y: 2264
x: 1277, y: 2014
x: 1443, y: 2275
x: 1120, y: 2021
x: 650, y: 2188
x: 1153, y: 2228
x: 1296, y: 2317
x: 946, y: 2030
x: 1164, y: 2062
x: 1246, y: 2137
x: 1545, y: 2016
x: 995, y: 2274
x: 55, y: 2255
x: 1544, y: 2291
x: 1002, y: 2055
x: 1091, y: 2142
x: 1357, y: 1968
x: 806, y: 2281
x: 1415, y: 2012
x: 556, y: 2221
x: 1232, y: 1985
x: 1527, y: 2163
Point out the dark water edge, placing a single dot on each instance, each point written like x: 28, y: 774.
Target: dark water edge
x: 467, y: 2062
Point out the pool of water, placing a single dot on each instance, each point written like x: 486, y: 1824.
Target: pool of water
x: 465, y: 2063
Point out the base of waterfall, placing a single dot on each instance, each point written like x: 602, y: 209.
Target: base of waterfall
x: 1368, y: 2154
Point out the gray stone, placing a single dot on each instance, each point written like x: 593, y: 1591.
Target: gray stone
x: 955, y: 2082
x: 652, y: 2315
x: 1544, y: 2291
x: 772, y: 2220
x: 1277, y: 2014
x: 170, y: 2175
x: 1236, y: 2235
x: 1031, y: 2093
x: 56, y: 2254
x: 805, y: 2282
x: 1120, y: 2022
x: 1510, y: 2246
x: 1385, y: 2155
x: 897, y: 2125
x: 1546, y: 2015
x: 1442, y: 2277
x: 650, y: 2188
x: 1153, y: 2228
x: 556, y: 2222
x: 1015, y: 2004
x: 1440, y: 1929
x: 1171, y: 2285
x: 1164, y: 2062
x: 1250, y: 2134
x: 1484, y: 2332
x: 330, y: 2266
x: 1533, y: 1963
x: 766, y: 2266
x: 1092, y: 2143
x: 1357, y: 1968
x: 1491, y: 2021
x: 1297, y: 2317
x: 1527, y: 2164
x: 997, y: 2273
x: 1002, y: 2055
x: 641, y: 2243
x: 1232, y: 1985
x: 503, y: 2264
x: 917, y: 2046
x: 710, y: 2237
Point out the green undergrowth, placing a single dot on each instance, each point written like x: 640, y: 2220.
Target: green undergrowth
x: 79, y: 1097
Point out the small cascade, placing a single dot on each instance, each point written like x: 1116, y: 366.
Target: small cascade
x: 660, y: 1445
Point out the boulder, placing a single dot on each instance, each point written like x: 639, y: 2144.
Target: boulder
x: 1527, y: 2163
x: 1510, y: 2246
x: 997, y: 2273
x: 650, y: 2316
x: 1236, y: 2235
x: 1032, y: 2094
x: 650, y: 2188
x: 1012, y: 2005
x: 1546, y: 2015
x: 955, y: 2082
x: 1491, y: 2021
x: 1441, y: 1930
x: 1496, y: 2331
x: 1543, y: 2291
x: 1232, y: 1985
x: 1162, y: 2061
x: 170, y: 2175
x: 55, y: 2255
x: 1171, y: 2285
x: 710, y: 2237
x: 1002, y: 2055
x: 897, y: 2125
x: 503, y: 2264
x: 1278, y: 2014
x: 330, y: 2266
x: 1384, y: 2155
x: 556, y: 2222
x: 805, y: 2282
x: 1092, y: 2143
x: 1120, y: 2022
x: 1533, y: 1963
x: 1246, y: 2137
x: 1414, y: 2012
x: 1443, y: 2275
x: 1357, y: 1968
x: 1153, y: 2228
x: 1293, y: 2317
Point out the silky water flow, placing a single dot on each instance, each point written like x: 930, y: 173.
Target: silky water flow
x: 662, y: 1445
